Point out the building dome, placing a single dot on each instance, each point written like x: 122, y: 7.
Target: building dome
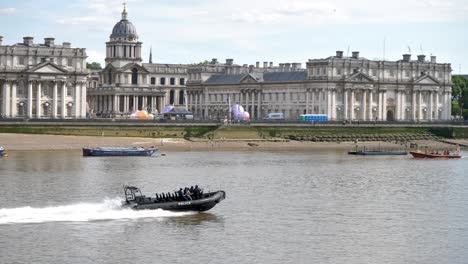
x: 124, y: 29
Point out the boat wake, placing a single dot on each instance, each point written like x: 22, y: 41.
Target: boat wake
x: 109, y: 209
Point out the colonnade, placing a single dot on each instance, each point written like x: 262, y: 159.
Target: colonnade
x: 31, y: 101
x: 126, y: 103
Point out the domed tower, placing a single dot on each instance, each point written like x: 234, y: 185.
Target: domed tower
x: 123, y: 47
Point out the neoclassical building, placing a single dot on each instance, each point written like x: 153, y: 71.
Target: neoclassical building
x: 127, y: 84
x: 344, y: 88
x: 45, y: 80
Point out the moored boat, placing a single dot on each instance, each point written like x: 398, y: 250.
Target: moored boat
x: 435, y: 155
x: 2, y: 150
x: 172, y: 201
x: 119, y: 151
x: 376, y: 152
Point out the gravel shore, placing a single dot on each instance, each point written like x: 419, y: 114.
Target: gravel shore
x: 55, y: 142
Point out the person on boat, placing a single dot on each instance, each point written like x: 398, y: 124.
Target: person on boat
x: 180, y: 194
x: 187, y: 194
x: 197, y: 192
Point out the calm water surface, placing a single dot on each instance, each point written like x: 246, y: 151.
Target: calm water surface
x: 286, y: 207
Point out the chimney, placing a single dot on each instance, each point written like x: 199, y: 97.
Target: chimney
x: 28, y: 41
x: 229, y: 61
x: 421, y: 58
x: 271, y: 64
x: 1, y: 40
x: 66, y: 45
x: 257, y: 64
x: 287, y: 66
x: 406, y: 57
x: 265, y: 64
x: 245, y: 65
x: 339, y: 54
x: 214, y: 61
x: 293, y: 65
x: 433, y: 58
x: 251, y: 67
x: 296, y: 66
x: 281, y: 66
x: 49, y: 42
x: 355, y: 54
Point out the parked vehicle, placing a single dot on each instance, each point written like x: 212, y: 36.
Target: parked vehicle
x: 274, y: 116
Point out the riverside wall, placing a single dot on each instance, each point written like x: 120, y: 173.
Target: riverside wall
x: 299, y: 131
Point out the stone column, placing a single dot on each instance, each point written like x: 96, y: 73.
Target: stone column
x: 352, y: 105
x: 371, y: 112
x: 307, y: 101
x: 313, y: 99
x: 431, y: 105
x: 30, y: 99
x: 333, y: 107
x: 6, y: 99
x: 379, y: 107
x: 398, y: 105
x: 403, y: 103
x: 345, y: 104
x: 77, y: 100
x: 63, y: 101
x: 259, y: 101
x: 413, y: 106
x: 14, y: 105
x: 83, y: 100
x: 384, y: 106
x: 254, y: 114
x: 364, y: 105
x: 54, y: 101
x: 420, y: 105
x: 116, y: 103
x: 438, y: 114
x: 38, y: 100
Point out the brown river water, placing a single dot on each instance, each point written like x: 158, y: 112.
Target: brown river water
x: 281, y: 207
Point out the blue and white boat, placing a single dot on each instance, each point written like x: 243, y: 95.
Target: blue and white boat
x: 1, y: 151
x: 119, y: 151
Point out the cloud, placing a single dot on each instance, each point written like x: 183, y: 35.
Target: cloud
x: 6, y: 11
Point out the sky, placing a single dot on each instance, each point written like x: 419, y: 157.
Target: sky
x: 188, y: 31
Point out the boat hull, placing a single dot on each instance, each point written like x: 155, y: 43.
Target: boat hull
x: 102, y: 152
x: 420, y: 155
x: 199, y: 205
x: 377, y: 153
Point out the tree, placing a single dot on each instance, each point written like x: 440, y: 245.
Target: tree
x: 203, y: 63
x: 460, y: 93
x: 93, y: 66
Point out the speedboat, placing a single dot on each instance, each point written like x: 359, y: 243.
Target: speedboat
x: 435, y: 155
x: 376, y: 152
x: 134, y: 199
x: 119, y: 151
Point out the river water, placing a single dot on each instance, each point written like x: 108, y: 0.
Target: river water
x: 283, y: 207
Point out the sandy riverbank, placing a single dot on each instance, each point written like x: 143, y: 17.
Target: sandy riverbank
x: 55, y: 142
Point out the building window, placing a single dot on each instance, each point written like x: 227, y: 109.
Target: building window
x: 69, y: 62
x: 109, y: 78
x: 21, y: 60
x: 162, y: 81
x: 69, y: 90
x: 172, y: 80
x: 171, y: 97
x: 134, y: 76
x: 392, y: 73
x: 181, y: 97
x: 407, y: 73
x: 125, y: 51
x: 374, y: 72
x: 42, y: 60
x: 153, y: 80
x: 182, y: 81
x: 338, y: 72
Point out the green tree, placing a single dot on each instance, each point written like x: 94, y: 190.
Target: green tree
x: 203, y: 63
x: 460, y: 94
x: 93, y: 66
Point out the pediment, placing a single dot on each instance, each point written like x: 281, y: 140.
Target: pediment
x: 359, y: 77
x: 47, y: 68
x: 426, y: 79
x: 249, y: 78
x: 130, y: 66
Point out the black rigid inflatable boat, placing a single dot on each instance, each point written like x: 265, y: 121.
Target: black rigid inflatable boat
x: 201, y: 202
